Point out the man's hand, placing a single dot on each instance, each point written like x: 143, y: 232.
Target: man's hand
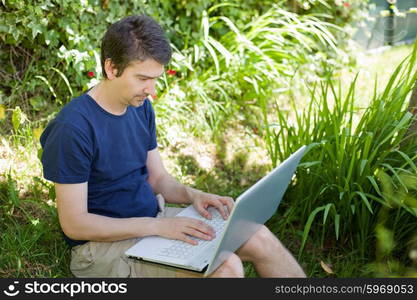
x: 181, y: 228
x: 201, y: 201
x: 175, y: 192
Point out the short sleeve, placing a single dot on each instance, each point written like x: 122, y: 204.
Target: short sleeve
x: 152, y: 126
x: 67, y: 154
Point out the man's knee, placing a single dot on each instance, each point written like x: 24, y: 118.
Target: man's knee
x: 261, y: 245
x: 231, y: 267
x: 264, y: 235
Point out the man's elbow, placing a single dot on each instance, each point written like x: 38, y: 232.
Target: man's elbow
x: 74, y: 229
x: 73, y: 233
x: 154, y: 182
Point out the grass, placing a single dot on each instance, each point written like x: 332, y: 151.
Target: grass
x: 374, y: 67
x: 222, y: 77
x: 31, y: 241
x: 340, y: 188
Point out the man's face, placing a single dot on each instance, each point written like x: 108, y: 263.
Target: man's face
x: 138, y: 81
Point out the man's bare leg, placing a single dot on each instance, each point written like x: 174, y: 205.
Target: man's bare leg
x: 269, y: 257
x: 230, y: 268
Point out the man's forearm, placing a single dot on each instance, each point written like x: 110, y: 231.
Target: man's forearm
x: 98, y: 228
x: 175, y: 192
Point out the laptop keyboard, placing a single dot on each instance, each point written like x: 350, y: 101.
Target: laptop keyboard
x: 183, y: 250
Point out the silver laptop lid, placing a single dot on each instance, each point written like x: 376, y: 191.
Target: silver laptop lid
x: 254, y: 207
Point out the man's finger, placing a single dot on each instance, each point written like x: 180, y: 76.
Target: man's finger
x: 187, y: 239
x: 220, y: 207
x: 202, y: 227
x: 204, y: 212
x: 198, y: 234
x: 228, y: 201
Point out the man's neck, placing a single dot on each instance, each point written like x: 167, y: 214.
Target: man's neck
x: 102, y: 93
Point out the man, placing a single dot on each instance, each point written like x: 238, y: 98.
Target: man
x: 101, y: 153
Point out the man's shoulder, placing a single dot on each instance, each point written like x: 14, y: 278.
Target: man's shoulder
x: 71, y: 122
x: 74, y: 112
x: 74, y: 116
x: 76, y: 105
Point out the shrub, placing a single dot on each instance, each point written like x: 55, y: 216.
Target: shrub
x: 340, y: 177
x: 50, y: 51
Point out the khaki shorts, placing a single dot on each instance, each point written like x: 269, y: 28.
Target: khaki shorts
x: 107, y: 259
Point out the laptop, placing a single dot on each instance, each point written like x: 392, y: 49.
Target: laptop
x: 251, y: 210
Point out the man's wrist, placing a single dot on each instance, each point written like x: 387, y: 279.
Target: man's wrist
x: 192, y: 194
x: 156, y: 226
x: 147, y: 225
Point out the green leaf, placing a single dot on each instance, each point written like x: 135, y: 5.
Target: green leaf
x: 308, y: 226
x: 51, y: 89
x: 326, y: 212
x: 337, y: 225
x: 205, y: 25
x: 389, y: 167
x: 219, y: 47
x: 362, y: 166
x: 374, y: 184
x: 18, y: 118
x: 65, y: 80
x: 365, y: 200
x: 213, y: 55
x: 309, y: 164
x: 408, y: 159
x: 36, y: 29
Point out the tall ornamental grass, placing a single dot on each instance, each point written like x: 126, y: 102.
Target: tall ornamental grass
x: 218, y: 78
x: 359, y: 161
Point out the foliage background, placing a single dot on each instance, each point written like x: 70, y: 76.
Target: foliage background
x: 249, y: 76
x: 50, y: 46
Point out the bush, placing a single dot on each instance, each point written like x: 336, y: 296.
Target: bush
x: 220, y: 78
x: 342, y: 176
x: 50, y: 49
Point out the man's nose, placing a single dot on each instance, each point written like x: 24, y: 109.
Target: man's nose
x: 150, y: 87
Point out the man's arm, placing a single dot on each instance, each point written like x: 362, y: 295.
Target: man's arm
x: 78, y: 224
x: 174, y: 192
x: 163, y: 183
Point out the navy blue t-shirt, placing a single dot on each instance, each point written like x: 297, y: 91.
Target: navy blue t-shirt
x: 85, y: 143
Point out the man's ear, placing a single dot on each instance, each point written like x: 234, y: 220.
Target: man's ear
x: 110, y: 69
